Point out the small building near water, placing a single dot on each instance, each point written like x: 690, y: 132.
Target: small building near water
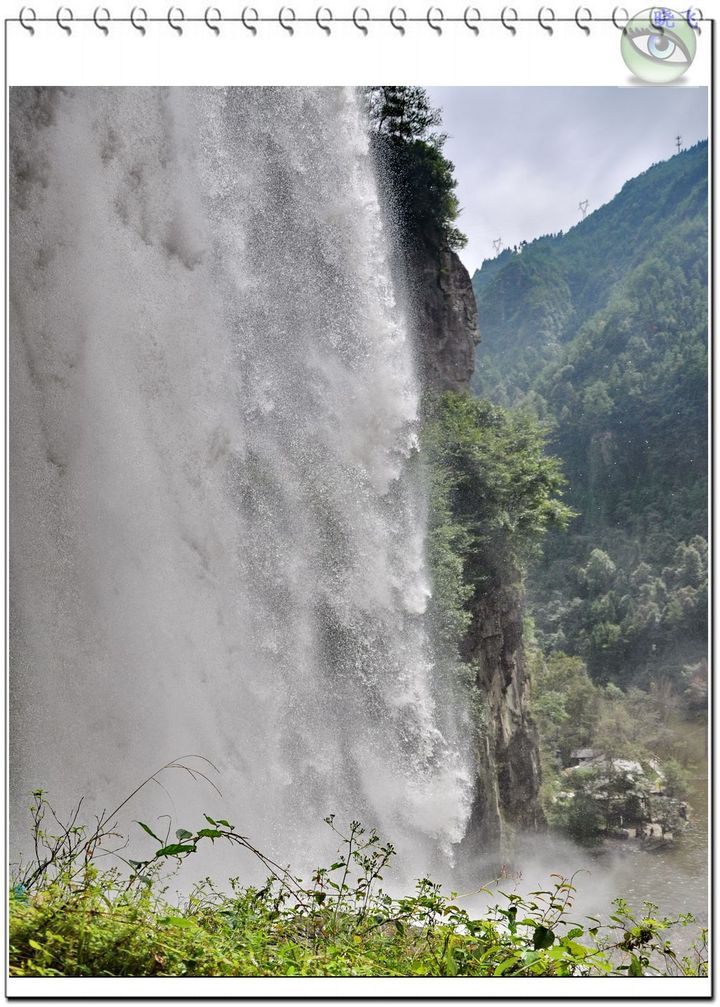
x: 582, y: 755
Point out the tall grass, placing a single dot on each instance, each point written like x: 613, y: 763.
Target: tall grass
x: 70, y: 915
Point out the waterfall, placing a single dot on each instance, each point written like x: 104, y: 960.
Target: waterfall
x: 217, y: 504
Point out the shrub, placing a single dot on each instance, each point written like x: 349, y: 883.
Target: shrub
x: 71, y: 917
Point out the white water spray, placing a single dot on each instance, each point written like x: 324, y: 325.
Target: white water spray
x: 217, y: 514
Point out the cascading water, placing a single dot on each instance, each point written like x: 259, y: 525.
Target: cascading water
x: 217, y: 510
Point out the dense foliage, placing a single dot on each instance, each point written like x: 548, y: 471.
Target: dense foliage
x: 631, y: 621
x: 418, y: 177
x: 70, y: 916
x: 645, y: 729
x: 494, y: 495
x: 573, y: 713
x: 602, y: 332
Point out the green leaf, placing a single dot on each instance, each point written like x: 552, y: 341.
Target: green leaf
x: 319, y: 896
x: 211, y: 820
x: 175, y: 849
x: 210, y: 833
x: 542, y: 938
x: 504, y: 966
x: 35, y: 945
x: 177, y: 921
x: 557, y: 952
x: 148, y: 830
x: 635, y: 968
x: 450, y: 963
x: 575, y: 932
x: 575, y: 949
x: 183, y: 834
x: 221, y: 821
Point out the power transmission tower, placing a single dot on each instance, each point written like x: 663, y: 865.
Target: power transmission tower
x: 497, y: 245
x: 583, y: 207
x: 678, y: 142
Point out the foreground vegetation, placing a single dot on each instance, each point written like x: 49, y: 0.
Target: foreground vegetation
x: 70, y: 916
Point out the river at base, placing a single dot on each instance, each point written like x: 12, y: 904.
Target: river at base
x: 674, y: 878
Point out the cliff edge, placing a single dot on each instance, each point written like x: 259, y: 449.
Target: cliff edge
x: 507, y: 758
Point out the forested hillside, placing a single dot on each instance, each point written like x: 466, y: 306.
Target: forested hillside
x: 602, y: 333
x: 533, y: 300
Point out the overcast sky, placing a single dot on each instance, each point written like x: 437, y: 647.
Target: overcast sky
x: 525, y: 157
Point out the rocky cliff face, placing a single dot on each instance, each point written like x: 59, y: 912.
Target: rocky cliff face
x: 508, y: 777
x: 508, y: 772
x: 446, y: 320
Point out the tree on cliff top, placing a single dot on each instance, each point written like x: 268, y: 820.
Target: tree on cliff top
x: 404, y: 113
x: 418, y: 177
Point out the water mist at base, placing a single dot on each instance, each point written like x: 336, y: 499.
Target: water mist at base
x: 217, y: 509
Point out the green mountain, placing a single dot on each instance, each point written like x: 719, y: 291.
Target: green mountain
x: 602, y: 332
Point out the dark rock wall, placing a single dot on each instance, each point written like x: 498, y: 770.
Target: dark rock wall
x: 508, y: 779
x: 446, y: 320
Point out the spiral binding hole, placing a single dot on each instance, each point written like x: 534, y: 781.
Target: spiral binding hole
x: 218, y: 16
x: 583, y: 27
x: 435, y: 13
x: 61, y: 13
x: 504, y: 19
x: 397, y: 16
x: 361, y: 10
x: 468, y: 23
x: 24, y: 11
x: 244, y: 18
x: 546, y: 27
x: 134, y: 19
x: 614, y: 15
x: 108, y: 17
x: 171, y: 16
x: 281, y: 19
x: 324, y: 12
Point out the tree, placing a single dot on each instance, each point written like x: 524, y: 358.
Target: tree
x: 599, y: 572
x: 418, y: 181
x: 696, y: 691
x: 403, y: 113
x: 502, y: 490
x: 565, y: 704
